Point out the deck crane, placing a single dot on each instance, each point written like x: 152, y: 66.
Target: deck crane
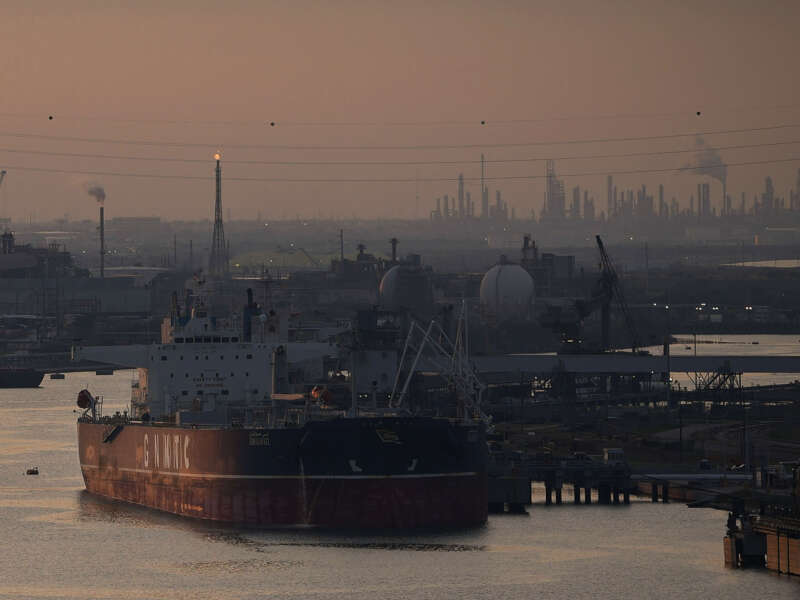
x: 609, y: 284
x: 450, y: 358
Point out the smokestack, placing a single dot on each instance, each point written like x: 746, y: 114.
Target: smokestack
x: 393, y: 242
x: 102, y: 242
x: 98, y: 193
x: 708, y: 161
x: 484, y: 192
x: 461, y: 213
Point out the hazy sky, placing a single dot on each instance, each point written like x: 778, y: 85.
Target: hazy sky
x: 213, y: 75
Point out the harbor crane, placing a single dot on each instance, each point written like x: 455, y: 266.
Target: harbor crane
x: 568, y: 320
x: 609, y: 283
x: 295, y: 249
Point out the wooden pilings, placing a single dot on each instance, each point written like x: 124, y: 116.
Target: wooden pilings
x: 511, y: 492
x: 654, y: 491
x: 604, y: 494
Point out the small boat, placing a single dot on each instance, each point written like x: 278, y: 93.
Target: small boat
x: 56, y: 376
x: 32, y: 471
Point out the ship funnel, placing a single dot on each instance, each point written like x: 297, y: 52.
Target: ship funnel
x: 280, y: 371
x: 247, y: 317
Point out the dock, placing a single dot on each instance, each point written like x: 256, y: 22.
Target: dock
x: 512, y: 474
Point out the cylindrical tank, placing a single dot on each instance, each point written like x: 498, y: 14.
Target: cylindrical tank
x: 507, y: 292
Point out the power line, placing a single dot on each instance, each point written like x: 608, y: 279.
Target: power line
x: 397, y: 180
x: 388, y: 162
x: 481, y: 121
x: 133, y: 142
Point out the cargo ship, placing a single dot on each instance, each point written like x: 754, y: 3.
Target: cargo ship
x: 13, y: 377
x: 214, y: 433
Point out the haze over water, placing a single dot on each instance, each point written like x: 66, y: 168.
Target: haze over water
x: 60, y: 542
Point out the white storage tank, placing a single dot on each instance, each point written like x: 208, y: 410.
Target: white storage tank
x: 407, y: 287
x: 507, y: 291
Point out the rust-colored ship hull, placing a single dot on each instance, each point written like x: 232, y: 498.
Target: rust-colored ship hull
x: 346, y: 473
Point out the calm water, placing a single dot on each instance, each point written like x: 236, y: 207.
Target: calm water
x: 59, y: 542
x: 735, y: 345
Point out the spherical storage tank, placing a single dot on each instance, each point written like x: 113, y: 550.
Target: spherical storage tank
x: 507, y: 292
x: 405, y: 287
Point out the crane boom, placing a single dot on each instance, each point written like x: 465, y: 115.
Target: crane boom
x: 611, y: 282
x: 310, y: 258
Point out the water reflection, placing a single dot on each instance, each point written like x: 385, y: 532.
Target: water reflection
x: 92, y: 508
x: 365, y: 540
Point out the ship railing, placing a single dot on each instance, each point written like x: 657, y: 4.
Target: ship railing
x: 297, y: 417
x: 98, y: 402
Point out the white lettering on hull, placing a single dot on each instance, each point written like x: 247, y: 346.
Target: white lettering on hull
x: 169, y: 452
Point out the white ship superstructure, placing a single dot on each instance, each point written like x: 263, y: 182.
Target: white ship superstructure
x: 206, y: 365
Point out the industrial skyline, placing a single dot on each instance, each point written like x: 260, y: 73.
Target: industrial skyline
x: 369, y: 133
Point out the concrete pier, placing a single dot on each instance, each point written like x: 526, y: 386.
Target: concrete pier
x: 610, y: 477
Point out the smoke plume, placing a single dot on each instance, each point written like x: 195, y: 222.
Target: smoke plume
x: 707, y: 161
x: 97, y: 192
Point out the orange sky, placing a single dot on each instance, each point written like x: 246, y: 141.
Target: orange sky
x: 213, y: 74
